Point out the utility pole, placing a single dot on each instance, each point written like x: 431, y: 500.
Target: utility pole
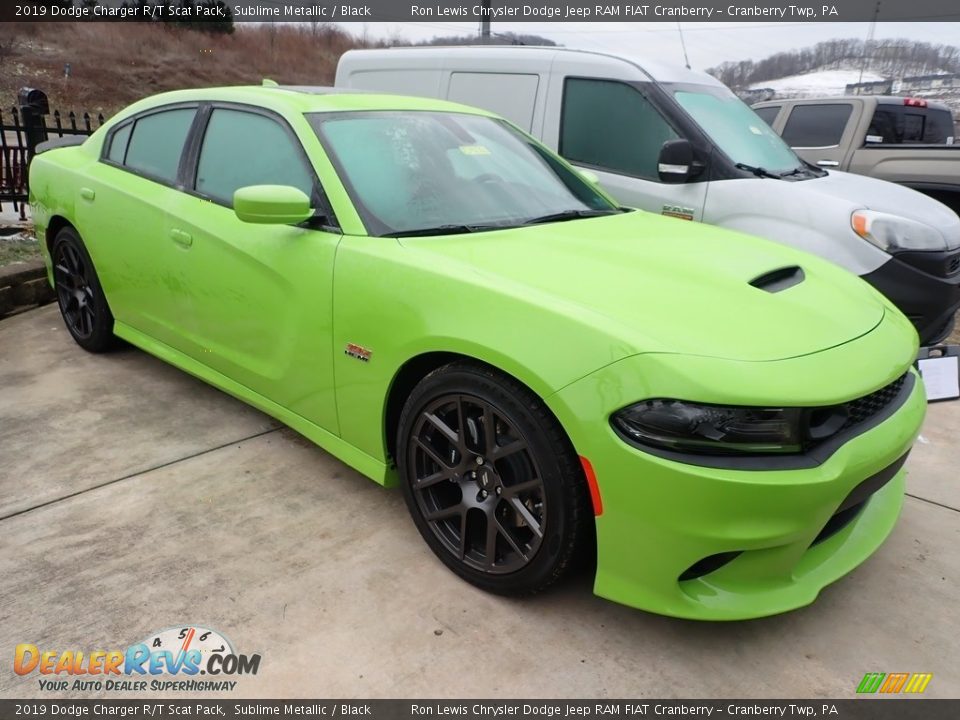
x: 866, y: 45
x: 485, y: 22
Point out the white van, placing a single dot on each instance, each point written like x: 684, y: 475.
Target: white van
x: 673, y: 141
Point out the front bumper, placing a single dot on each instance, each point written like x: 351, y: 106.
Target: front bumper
x: 925, y: 286
x: 662, y: 517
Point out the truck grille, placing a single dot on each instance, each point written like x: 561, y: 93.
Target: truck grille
x: 953, y: 265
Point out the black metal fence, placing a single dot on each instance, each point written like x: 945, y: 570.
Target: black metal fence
x: 21, y: 130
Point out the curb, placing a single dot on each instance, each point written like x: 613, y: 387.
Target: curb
x: 23, y: 285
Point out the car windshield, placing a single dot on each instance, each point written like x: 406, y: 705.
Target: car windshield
x: 436, y: 172
x: 736, y: 129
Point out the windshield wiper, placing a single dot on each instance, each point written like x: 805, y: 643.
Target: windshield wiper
x: 569, y: 215
x: 443, y: 230
x: 758, y: 171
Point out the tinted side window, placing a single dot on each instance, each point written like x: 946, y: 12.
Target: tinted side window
x: 896, y: 124
x: 768, y: 114
x: 612, y: 126
x: 157, y: 141
x: 816, y: 125
x: 118, y: 144
x: 242, y: 148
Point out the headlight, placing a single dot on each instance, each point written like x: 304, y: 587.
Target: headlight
x: 893, y: 233
x: 711, y: 429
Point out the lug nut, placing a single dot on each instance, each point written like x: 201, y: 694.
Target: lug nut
x: 479, y: 461
x: 499, y: 490
x: 483, y: 493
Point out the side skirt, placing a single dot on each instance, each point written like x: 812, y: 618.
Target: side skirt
x: 357, y: 459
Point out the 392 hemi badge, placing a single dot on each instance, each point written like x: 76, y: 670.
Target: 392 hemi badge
x: 358, y: 352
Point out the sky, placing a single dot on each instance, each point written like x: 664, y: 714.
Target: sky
x: 708, y: 44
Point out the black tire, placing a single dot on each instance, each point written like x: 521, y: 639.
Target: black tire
x: 83, y: 305
x: 527, y: 490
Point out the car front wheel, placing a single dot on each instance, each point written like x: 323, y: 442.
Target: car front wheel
x: 491, y: 480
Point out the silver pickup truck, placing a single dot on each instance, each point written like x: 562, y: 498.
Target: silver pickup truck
x: 909, y: 141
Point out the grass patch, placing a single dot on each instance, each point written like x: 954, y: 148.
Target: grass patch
x: 19, y: 248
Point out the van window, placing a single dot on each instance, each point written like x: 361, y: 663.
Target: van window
x: 510, y: 96
x: 768, y: 114
x: 817, y: 126
x: 155, y: 147
x: 612, y: 126
x: 243, y: 148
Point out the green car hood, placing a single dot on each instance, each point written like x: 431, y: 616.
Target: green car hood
x: 667, y: 285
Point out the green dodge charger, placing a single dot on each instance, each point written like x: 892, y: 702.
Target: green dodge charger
x: 720, y: 423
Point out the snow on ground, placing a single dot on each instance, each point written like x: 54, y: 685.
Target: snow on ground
x: 822, y: 82
x: 9, y: 216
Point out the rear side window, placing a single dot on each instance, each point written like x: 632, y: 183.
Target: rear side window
x: 768, y: 114
x: 901, y: 125
x: 612, y: 126
x: 817, y: 125
x: 243, y: 148
x: 156, y: 143
x: 118, y: 144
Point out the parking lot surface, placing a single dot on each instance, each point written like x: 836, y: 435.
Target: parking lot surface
x: 134, y: 498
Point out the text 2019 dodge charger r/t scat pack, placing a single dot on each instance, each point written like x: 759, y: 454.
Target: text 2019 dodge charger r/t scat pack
x: 441, y: 302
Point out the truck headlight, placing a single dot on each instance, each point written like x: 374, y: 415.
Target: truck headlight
x: 711, y: 429
x: 893, y: 233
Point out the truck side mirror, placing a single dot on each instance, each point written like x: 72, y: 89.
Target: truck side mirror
x: 675, y: 163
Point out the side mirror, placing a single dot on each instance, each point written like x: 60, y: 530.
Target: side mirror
x: 590, y: 177
x: 271, y: 205
x: 675, y: 163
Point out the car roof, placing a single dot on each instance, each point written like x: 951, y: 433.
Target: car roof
x: 301, y: 99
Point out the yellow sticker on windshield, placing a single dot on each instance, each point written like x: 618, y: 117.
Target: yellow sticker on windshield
x: 474, y: 150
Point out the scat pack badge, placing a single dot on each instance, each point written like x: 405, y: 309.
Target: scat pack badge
x: 168, y: 660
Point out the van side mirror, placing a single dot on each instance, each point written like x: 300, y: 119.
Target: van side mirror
x: 675, y: 163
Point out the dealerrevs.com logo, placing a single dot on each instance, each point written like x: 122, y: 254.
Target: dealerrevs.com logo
x: 168, y: 660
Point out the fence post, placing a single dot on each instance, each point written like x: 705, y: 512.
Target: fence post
x: 33, y: 106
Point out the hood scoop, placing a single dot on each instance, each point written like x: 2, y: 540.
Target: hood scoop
x: 779, y: 280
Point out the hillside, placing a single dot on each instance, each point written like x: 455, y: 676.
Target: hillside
x: 822, y: 82
x: 113, y: 64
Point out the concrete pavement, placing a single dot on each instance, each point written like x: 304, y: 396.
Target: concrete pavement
x: 134, y: 498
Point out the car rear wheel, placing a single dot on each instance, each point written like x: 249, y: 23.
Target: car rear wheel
x: 491, y: 480
x: 79, y: 295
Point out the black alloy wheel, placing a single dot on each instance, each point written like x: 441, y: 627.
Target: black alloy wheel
x: 79, y: 295
x: 491, y: 480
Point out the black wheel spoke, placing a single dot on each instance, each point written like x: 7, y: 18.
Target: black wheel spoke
x: 443, y: 428
x: 500, y: 452
x: 445, y: 513
x: 437, y: 477
x: 509, y: 538
x: 433, y: 454
x: 528, y: 518
x: 522, y: 487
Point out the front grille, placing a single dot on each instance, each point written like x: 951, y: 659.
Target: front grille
x: 864, y: 408
x: 953, y: 265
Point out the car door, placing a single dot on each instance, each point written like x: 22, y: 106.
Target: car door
x: 613, y: 129
x: 260, y: 295
x: 122, y: 209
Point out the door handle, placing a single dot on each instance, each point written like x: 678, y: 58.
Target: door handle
x: 88, y: 194
x: 181, y: 238
x: 828, y: 163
